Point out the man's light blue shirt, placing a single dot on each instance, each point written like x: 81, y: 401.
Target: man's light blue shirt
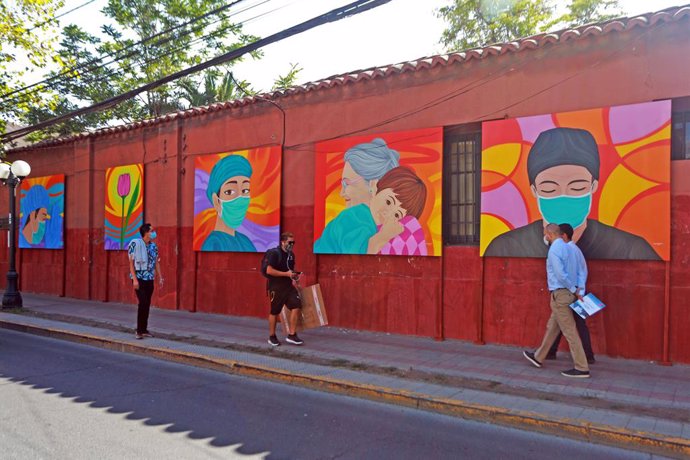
x: 561, y: 267
x: 581, y: 265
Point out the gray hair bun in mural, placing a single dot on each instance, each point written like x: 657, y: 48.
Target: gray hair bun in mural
x: 372, y: 160
x: 563, y: 146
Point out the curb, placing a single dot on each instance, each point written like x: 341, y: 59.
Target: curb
x: 577, y: 429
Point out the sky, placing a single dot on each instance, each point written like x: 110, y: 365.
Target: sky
x: 401, y: 30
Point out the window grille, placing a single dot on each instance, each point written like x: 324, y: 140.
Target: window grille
x: 461, y: 179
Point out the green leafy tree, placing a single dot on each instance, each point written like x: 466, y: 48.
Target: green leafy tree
x: 27, y: 35
x: 215, y: 86
x: 475, y: 23
x: 144, y: 41
x: 287, y: 80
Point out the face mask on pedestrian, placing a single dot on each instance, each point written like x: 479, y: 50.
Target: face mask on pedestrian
x: 233, y: 211
x: 546, y: 241
x: 153, y: 235
x: 566, y: 209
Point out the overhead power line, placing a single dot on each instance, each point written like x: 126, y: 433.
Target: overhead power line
x: 61, y: 15
x: 131, y: 53
x: 131, y: 67
x: 337, y: 14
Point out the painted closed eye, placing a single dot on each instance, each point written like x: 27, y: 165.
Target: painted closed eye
x: 547, y: 191
x: 579, y: 189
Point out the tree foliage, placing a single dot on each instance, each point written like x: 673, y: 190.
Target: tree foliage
x: 287, y: 80
x: 27, y: 35
x: 475, y: 23
x: 143, y: 41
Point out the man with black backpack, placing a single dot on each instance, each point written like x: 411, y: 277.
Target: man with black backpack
x: 278, y: 266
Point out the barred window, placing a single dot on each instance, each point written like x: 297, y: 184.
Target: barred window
x: 461, y: 170
x: 680, y: 136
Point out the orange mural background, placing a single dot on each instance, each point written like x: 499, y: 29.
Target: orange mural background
x: 421, y: 150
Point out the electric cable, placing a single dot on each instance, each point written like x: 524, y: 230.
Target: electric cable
x: 337, y: 14
x: 61, y: 15
x: 140, y: 42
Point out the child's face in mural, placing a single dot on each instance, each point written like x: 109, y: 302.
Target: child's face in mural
x: 564, y: 194
x: 385, y: 206
x: 232, y: 202
x: 355, y: 189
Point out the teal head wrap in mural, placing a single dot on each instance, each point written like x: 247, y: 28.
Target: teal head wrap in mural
x: 230, y: 166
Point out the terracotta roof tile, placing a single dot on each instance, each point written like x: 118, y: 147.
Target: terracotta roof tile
x: 516, y: 46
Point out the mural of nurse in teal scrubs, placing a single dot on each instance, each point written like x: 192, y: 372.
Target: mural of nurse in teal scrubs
x: 229, y: 192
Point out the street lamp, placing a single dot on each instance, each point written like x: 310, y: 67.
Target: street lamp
x: 11, y: 175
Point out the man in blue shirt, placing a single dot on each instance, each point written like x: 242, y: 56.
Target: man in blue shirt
x: 561, y: 275
x: 580, y: 323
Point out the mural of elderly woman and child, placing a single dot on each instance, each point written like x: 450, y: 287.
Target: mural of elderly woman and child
x: 376, y: 199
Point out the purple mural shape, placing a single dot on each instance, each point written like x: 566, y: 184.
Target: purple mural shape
x: 633, y: 122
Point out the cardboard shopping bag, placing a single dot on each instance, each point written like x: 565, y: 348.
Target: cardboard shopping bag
x: 313, y: 312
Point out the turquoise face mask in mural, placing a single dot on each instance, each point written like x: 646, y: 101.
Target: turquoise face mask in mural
x: 566, y: 209
x: 233, y: 211
x: 37, y: 236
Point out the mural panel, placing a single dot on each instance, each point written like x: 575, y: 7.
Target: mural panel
x: 237, y: 200
x: 604, y: 171
x: 124, y: 205
x: 42, y: 212
x: 379, y: 194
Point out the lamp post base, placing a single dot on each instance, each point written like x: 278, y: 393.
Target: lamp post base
x: 12, y: 298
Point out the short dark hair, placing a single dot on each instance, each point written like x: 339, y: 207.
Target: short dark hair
x: 285, y: 235
x: 563, y: 146
x: 144, y: 229
x: 567, y: 229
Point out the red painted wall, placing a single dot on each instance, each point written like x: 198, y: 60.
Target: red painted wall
x: 458, y: 295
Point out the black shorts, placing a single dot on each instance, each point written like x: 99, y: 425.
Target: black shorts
x: 288, y: 297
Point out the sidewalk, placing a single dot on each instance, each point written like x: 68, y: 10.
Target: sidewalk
x: 633, y: 404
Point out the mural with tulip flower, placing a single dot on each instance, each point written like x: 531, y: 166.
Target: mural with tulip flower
x: 124, y: 205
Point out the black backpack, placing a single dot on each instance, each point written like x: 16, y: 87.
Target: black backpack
x: 264, y: 261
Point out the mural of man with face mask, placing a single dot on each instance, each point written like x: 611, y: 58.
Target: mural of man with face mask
x: 563, y: 171
x: 34, y: 216
x: 229, y: 192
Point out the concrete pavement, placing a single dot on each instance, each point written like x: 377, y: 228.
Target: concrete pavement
x: 626, y: 403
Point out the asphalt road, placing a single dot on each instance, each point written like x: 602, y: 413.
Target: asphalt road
x: 63, y: 400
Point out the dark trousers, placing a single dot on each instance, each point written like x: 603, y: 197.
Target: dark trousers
x: 144, y: 294
x: 583, y: 332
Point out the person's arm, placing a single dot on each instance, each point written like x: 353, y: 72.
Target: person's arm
x: 132, y: 272
x: 390, y: 229
x: 158, y: 270
x: 581, y: 275
x: 273, y: 272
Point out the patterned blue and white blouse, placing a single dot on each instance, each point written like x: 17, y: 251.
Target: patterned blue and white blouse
x: 150, y: 272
